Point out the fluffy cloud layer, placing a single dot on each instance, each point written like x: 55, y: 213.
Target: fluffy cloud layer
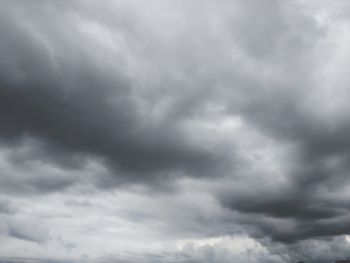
x: 174, y: 131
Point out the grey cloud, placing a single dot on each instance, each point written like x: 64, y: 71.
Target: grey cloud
x: 140, y: 89
x: 30, y: 260
x: 205, y: 253
x: 309, y: 203
x: 22, y: 228
x: 315, y: 176
x: 6, y: 207
x: 75, y: 104
x: 21, y: 174
x: 258, y: 26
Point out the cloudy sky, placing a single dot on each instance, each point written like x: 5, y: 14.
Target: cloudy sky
x: 175, y: 131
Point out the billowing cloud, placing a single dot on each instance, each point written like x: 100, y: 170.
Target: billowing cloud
x: 174, y: 131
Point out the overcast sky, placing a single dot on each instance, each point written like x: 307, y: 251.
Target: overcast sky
x: 175, y: 131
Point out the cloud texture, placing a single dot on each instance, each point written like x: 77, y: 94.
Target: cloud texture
x: 174, y: 131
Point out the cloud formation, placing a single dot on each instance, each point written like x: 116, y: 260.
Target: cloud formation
x: 170, y: 131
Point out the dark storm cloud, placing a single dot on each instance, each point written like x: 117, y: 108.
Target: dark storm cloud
x: 316, y: 173
x: 311, y: 203
x: 74, y: 103
x: 83, y: 82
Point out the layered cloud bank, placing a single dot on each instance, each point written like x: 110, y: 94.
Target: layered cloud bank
x: 174, y: 131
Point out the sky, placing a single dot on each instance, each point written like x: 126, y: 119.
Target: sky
x: 175, y: 131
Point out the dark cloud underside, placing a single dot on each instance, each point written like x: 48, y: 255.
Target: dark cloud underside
x: 182, y: 121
